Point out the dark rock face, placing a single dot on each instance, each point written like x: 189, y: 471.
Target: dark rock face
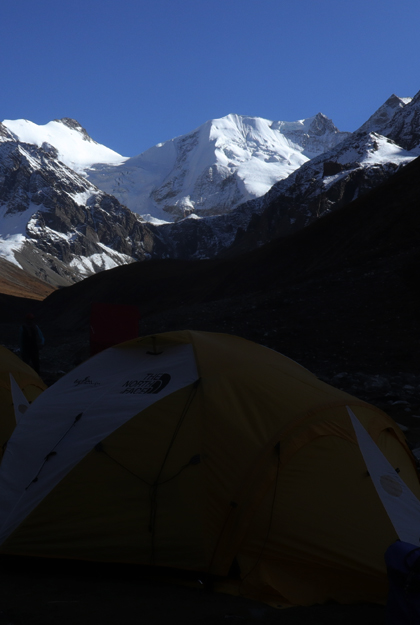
x: 5, y: 133
x: 332, y: 168
x: 324, y: 184
x: 65, y: 227
x: 29, y: 174
x: 405, y: 125
x: 74, y: 125
x: 381, y: 119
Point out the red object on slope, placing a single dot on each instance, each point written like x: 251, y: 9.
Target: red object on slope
x: 111, y: 324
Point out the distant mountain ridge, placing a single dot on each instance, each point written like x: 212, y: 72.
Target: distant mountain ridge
x: 209, y: 171
x: 61, y: 218
x: 65, y: 139
x: 360, y: 163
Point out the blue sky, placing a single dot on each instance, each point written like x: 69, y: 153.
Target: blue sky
x: 135, y: 73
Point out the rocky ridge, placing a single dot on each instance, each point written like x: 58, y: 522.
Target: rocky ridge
x: 326, y: 183
x: 56, y: 224
x: 354, y: 164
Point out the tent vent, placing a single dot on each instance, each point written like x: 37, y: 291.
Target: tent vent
x: 154, y: 352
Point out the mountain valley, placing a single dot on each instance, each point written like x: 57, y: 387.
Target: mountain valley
x: 339, y: 294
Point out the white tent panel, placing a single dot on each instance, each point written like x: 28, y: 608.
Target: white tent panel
x: 401, y: 505
x: 20, y: 403
x: 76, y: 413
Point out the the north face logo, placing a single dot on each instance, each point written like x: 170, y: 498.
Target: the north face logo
x: 152, y: 383
x: 86, y: 382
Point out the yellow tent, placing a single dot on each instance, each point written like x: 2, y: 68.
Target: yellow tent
x: 210, y: 453
x: 26, y: 379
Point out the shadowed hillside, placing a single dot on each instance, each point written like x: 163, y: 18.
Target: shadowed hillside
x: 340, y: 297
x: 18, y: 283
x: 343, y: 290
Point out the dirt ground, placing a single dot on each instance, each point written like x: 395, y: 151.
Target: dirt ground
x: 61, y: 593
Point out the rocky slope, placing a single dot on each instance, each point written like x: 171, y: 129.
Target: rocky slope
x: 58, y: 226
x: 404, y: 126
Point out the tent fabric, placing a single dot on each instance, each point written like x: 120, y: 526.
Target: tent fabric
x: 252, y: 461
x: 26, y: 379
x: 401, y: 505
x: 92, y: 403
x: 20, y: 403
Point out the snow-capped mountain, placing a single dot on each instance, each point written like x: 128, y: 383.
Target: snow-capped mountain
x: 327, y: 182
x: 54, y: 223
x: 318, y: 187
x: 64, y: 139
x: 380, y: 121
x: 404, y: 127
x: 361, y: 162
x: 63, y: 197
x: 209, y: 171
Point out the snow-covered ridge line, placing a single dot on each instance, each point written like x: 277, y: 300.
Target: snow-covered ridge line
x: 74, y: 147
x: 73, y: 219
x: 209, y: 171
x: 216, y: 167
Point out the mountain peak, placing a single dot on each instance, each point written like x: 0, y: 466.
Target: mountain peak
x: 74, y: 125
x: 380, y: 120
x: 74, y: 146
x: 216, y: 167
x: 321, y: 124
x: 404, y: 127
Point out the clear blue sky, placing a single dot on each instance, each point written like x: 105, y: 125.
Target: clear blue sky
x: 138, y: 72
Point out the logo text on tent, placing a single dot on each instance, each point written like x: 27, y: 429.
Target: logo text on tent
x: 87, y: 381
x: 151, y: 383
